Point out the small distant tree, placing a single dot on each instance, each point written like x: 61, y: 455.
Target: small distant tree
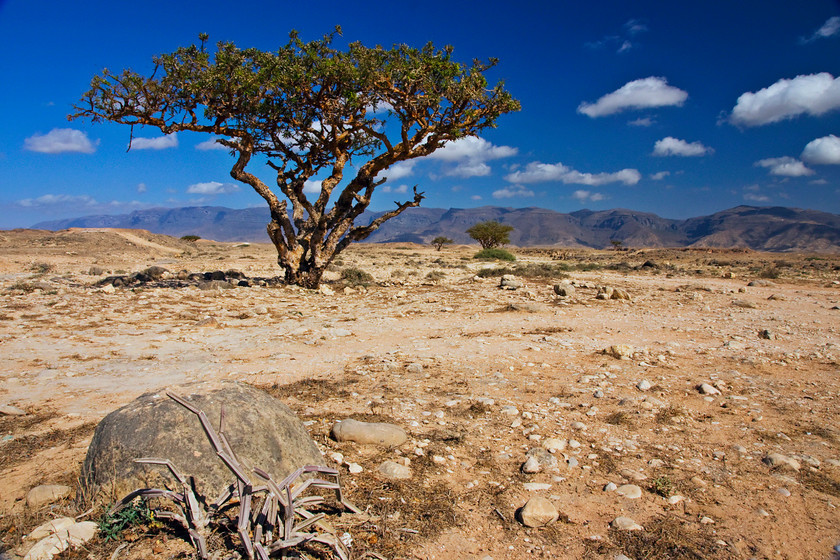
x: 440, y: 241
x: 490, y: 234
x: 617, y: 244
x: 311, y: 112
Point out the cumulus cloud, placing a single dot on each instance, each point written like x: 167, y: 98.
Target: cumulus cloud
x: 823, y: 151
x: 670, y: 146
x: 588, y: 196
x: 830, y: 28
x: 513, y: 191
x: 141, y: 187
x: 785, y: 166
x: 402, y: 189
x: 59, y: 141
x: 756, y: 197
x: 312, y: 186
x: 537, y: 172
x: 475, y: 197
x: 641, y: 121
x: 638, y: 94
x: 212, y: 188
x: 812, y: 94
x: 210, y: 144
x: 67, y: 200
x: 400, y: 170
x: 469, y: 156
x: 159, y: 143
x: 659, y: 175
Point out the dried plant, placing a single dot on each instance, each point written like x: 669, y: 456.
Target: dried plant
x: 271, y: 518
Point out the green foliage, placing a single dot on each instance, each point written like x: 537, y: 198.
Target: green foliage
x: 495, y: 272
x: 134, y: 514
x: 440, y: 241
x: 309, y: 109
x: 191, y: 238
x: 494, y: 254
x: 662, y: 485
x: 490, y: 234
x: 356, y: 277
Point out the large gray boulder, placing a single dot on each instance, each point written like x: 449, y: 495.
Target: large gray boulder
x: 262, y: 431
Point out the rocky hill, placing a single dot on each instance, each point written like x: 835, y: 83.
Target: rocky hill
x: 758, y: 228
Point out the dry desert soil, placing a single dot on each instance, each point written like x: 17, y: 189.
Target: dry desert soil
x: 746, y: 467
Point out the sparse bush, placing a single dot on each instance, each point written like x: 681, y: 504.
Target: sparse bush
x: 436, y: 275
x: 662, y: 485
x: 771, y: 273
x: 356, y: 277
x: 41, y: 268
x: 24, y: 287
x: 494, y: 254
x: 190, y: 238
x: 495, y: 272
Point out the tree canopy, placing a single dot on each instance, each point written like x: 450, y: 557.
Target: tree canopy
x: 310, y: 110
x: 490, y: 234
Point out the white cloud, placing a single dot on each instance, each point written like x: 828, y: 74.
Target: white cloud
x: 212, y: 188
x: 400, y: 170
x: 210, y: 144
x: 641, y: 121
x: 785, y: 166
x: 141, y: 187
x: 659, y: 175
x: 635, y: 26
x: 312, y: 186
x: 588, y: 196
x: 59, y: 141
x: 469, y: 155
x: 638, y: 94
x: 830, y: 28
x: 159, y: 143
x: 812, y: 94
x: 475, y: 197
x: 402, y: 189
x: 514, y: 191
x: 670, y: 146
x: 823, y: 151
x: 625, y: 46
x: 57, y: 200
x: 537, y: 172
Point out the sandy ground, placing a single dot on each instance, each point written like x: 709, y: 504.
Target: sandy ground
x: 426, y: 345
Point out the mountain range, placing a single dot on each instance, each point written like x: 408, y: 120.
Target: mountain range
x: 757, y: 228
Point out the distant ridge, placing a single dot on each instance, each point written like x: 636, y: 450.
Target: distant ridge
x: 759, y: 228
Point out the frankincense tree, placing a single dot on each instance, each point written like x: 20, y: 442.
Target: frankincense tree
x: 309, y: 110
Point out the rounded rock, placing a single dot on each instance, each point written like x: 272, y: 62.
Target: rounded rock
x: 538, y: 512
x: 372, y: 433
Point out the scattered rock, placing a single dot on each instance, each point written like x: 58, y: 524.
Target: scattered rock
x: 629, y: 491
x: 620, y: 351
x: 538, y: 512
x: 539, y: 459
x: 643, y: 385
x: 781, y: 462
x: 70, y: 534
x: 554, y: 444
x: 47, y: 494
x: 510, y: 282
x: 706, y: 389
x: 746, y: 304
x: 371, y: 433
x: 564, y: 290
x: 625, y: 524
x: 390, y: 469
x: 9, y: 410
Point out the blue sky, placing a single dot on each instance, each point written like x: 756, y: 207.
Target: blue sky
x: 676, y: 108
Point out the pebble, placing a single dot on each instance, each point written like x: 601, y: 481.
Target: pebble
x: 509, y: 410
x: 580, y: 426
x: 572, y: 462
x: 538, y: 512
x: 610, y: 487
x: 706, y: 389
x: 629, y: 491
x: 47, y: 494
x: 625, y: 524
x: 390, y: 469
x: 676, y: 499
x: 9, y: 410
x: 781, y: 462
x: 377, y: 433
x: 643, y: 385
x: 633, y: 475
x: 784, y: 492
x: 536, y: 486
x: 707, y: 520
x: 554, y: 444
x: 531, y: 466
x: 354, y: 468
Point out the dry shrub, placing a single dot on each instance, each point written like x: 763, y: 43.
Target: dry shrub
x: 667, y: 538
